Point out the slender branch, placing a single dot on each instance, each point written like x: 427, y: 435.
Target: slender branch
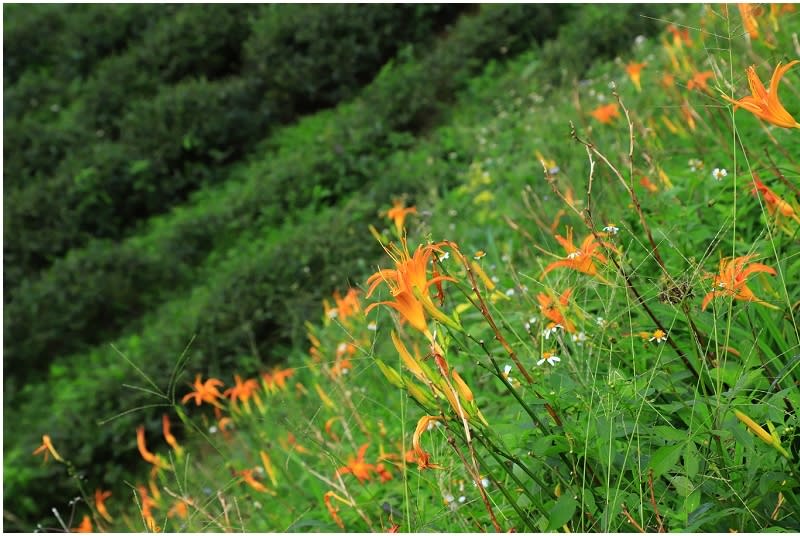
x: 631, y: 520
x: 653, y: 501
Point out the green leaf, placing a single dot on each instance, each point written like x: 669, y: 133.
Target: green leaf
x: 562, y: 512
x: 665, y: 459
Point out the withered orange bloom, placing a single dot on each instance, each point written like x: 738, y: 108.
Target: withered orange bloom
x: 85, y: 526
x: 554, y: 310
x: 423, y: 458
x: 699, y: 81
x: 357, y: 466
x: 606, y: 114
x: 100, y: 497
x: 168, y: 437
x: 580, y: 259
x: 398, y: 214
x: 667, y: 81
x: 732, y: 280
x: 775, y: 204
x: 147, y: 456
x: 634, y: 71
x: 333, y: 510
x: 47, y: 448
x: 647, y: 183
x: 764, y: 103
x: 249, y: 478
x: 205, y: 392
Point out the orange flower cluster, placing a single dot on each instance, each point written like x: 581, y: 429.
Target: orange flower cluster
x: 581, y: 259
x: 363, y: 470
x: 409, y: 285
x: 732, y: 280
x: 398, y: 214
x: 764, y: 103
x: 554, y: 310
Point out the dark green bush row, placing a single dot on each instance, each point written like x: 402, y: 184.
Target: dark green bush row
x: 317, y: 163
x: 66, y: 182
x: 66, y: 42
x: 300, y: 72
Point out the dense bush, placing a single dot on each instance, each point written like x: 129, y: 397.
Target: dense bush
x: 305, y: 58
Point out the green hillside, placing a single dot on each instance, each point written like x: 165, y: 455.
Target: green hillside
x: 186, y: 186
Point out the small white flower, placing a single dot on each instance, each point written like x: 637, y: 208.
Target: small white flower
x: 600, y: 321
x: 432, y: 425
x: 372, y: 326
x: 510, y: 292
x: 611, y: 228
x: 695, y: 164
x: 342, y: 348
x: 448, y: 498
x: 495, y: 279
x: 345, y: 371
x: 551, y: 330
x: 579, y: 338
x: 212, y: 430
x: 549, y: 358
x: 485, y: 482
x: 574, y: 255
x: 333, y: 313
x: 445, y: 256
x: 257, y: 505
x: 719, y: 174
x: 554, y: 170
x: 506, y: 370
x: 640, y: 39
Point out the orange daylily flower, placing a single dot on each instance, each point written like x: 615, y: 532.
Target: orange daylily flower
x: 764, y: 103
x: 409, y: 285
x: 47, y: 448
x: 606, y: 114
x: 634, y: 70
x: 347, y: 306
x: 205, y: 392
x: 422, y: 457
x: 732, y: 280
x: 667, y: 81
x: 776, y: 205
x: 100, y: 497
x: 180, y: 508
x: 679, y: 36
x: 148, y: 456
x: 647, y: 183
x: 554, y: 310
x: 357, y: 466
x: 580, y: 259
x: 244, y: 391
x: 170, y: 439
x: 341, y: 367
x: 700, y: 81
x: 398, y: 214
x: 85, y: 526
x: 748, y: 13
x: 276, y: 380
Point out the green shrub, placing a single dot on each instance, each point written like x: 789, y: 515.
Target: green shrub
x: 307, y: 57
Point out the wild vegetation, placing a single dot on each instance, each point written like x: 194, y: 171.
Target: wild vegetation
x: 533, y: 274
